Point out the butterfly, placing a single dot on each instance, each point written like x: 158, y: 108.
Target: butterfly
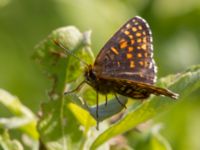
x: 125, y: 65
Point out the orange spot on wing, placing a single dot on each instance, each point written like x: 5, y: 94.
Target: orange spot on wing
x: 138, y: 34
x: 141, y: 63
x: 130, y: 49
x: 144, y: 46
x: 126, y: 32
x: 139, y: 55
x: 130, y: 36
x: 134, y: 29
x: 139, y: 40
x: 123, y: 44
x: 129, y: 56
x: 145, y: 54
x: 115, y: 50
x: 132, y: 65
x: 140, y: 27
x: 132, y: 42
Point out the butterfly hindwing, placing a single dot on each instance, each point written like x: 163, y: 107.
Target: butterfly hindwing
x: 128, y: 54
x: 137, y: 90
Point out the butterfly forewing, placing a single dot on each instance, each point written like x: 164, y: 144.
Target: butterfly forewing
x: 128, y: 54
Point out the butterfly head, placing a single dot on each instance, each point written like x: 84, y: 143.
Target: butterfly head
x: 90, y: 75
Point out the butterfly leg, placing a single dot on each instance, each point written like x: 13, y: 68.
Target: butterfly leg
x: 97, y: 109
x: 106, y: 100
x: 76, y: 89
x: 119, y: 101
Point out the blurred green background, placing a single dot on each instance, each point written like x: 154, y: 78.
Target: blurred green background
x: 176, y: 31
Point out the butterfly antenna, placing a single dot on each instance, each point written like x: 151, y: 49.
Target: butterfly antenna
x: 69, y: 52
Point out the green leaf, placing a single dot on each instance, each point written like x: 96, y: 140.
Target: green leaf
x: 183, y: 83
x: 56, y: 63
x: 157, y: 141
x: 23, y: 119
x: 82, y: 116
x: 7, y: 144
x: 58, y: 127
x: 59, y: 121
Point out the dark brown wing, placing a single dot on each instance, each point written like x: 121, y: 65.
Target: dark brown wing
x: 137, y: 90
x: 128, y: 54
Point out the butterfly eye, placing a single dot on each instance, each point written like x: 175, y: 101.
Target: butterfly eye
x: 92, y: 76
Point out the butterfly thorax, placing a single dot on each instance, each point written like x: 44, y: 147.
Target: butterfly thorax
x: 100, y: 85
